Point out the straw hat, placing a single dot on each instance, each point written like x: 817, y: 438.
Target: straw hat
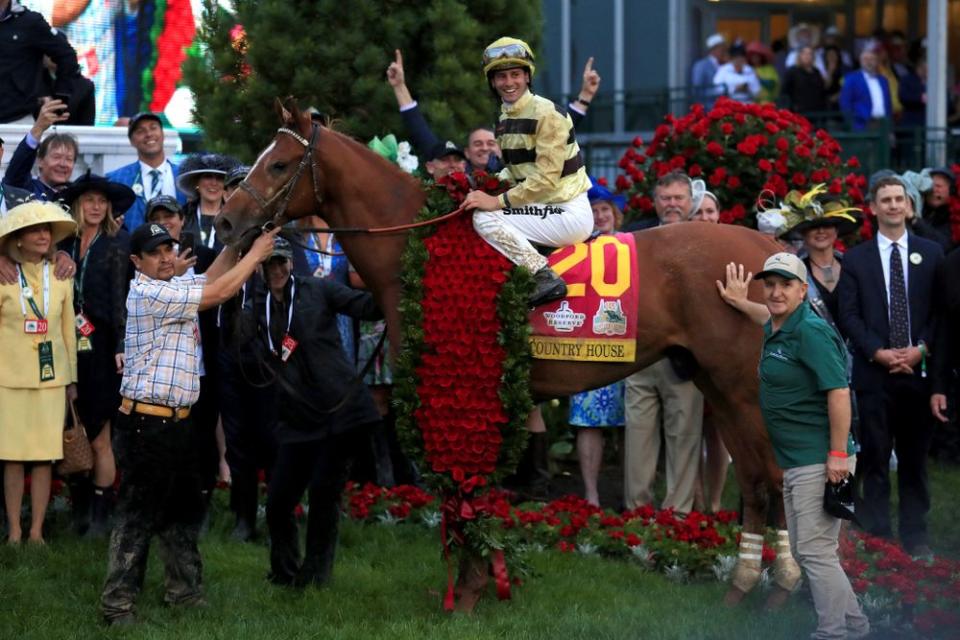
x: 33, y: 213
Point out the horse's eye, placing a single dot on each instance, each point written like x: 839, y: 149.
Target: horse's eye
x: 279, y: 166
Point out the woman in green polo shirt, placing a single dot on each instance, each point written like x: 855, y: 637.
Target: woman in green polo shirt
x: 805, y: 403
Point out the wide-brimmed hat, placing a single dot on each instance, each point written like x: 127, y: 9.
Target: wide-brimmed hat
x: 600, y: 193
x: 200, y: 164
x: 121, y: 196
x: 815, y: 208
x: 28, y: 214
x: 794, y: 34
x: 760, y: 49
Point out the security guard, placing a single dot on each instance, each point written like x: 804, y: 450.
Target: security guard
x: 548, y: 204
x: 153, y: 440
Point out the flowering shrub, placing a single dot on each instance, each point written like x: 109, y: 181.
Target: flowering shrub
x: 739, y: 150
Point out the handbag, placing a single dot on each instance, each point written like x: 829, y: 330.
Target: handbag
x: 77, y: 452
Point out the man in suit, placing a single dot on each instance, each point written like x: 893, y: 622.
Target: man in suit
x: 152, y: 175
x: 704, y: 70
x: 886, y: 297
x: 55, y: 155
x: 865, y: 96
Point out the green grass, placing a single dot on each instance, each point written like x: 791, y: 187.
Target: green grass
x: 389, y: 583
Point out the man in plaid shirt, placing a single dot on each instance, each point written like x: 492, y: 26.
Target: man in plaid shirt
x: 153, y: 439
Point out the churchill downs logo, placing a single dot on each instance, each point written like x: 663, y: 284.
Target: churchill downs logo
x: 565, y: 319
x: 539, y: 210
x: 610, y: 319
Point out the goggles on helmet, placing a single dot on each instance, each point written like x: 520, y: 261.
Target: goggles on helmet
x: 512, y: 50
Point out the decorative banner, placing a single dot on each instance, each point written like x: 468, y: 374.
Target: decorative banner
x: 597, y: 320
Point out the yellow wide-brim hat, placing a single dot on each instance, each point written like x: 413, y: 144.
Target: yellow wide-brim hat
x: 37, y: 212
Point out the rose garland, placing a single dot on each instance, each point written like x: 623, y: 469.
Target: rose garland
x: 171, y: 34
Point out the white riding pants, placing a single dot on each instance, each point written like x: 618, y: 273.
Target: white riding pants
x: 510, y: 231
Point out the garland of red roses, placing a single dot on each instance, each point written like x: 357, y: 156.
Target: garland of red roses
x: 171, y: 35
x: 462, y: 377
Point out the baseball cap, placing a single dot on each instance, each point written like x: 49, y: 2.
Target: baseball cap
x: 785, y: 265
x: 140, y: 117
x: 148, y: 237
x: 282, y: 249
x: 164, y: 202
x: 447, y: 148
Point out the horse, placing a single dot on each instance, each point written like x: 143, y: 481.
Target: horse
x: 310, y: 169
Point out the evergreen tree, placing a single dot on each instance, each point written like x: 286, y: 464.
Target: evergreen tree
x: 333, y: 55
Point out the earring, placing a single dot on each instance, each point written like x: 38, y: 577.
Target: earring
x: 19, y: 244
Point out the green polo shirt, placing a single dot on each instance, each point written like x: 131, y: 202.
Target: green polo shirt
x: 799, y: 364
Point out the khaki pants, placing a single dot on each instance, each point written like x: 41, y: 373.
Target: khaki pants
x: 814, y: 538
x: 651, y: 394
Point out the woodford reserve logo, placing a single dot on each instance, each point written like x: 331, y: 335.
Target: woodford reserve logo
x: 564, y: 319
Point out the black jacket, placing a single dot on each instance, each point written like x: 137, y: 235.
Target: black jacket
x: 318, y: 391
x: 25, y: 37
x: 946, y: 349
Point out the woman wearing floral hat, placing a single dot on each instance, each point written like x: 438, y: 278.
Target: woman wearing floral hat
x: 548, y: 203
x: 37, y: 332
x: 100, y: 249
x: 201, y: 179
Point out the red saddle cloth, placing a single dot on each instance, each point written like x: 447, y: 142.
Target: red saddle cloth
x: 596, y: 321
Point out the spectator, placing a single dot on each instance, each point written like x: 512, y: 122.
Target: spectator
x: 594, y: 412
x: 823, y: 262
x: 443, y: 159
x: 152, y: 174
x: 661, y: 389
x: 708, y: 209
x: 885, y: 68
x: 804, y: 88
x: 936, y: 211
x: 201, y: 178
x: 99, y: 296
x: 805, y: 401
x: 804, y: 35
x: 10, y: 196
x: 154, y: 438
x: 82, y: 103
x: 913, y: 94
x: 37, y: 333
x: 27, y: 38
x: 232, y: 182
x: 946, y: 358
x: 916, y: 185
x: 55, y: 155
x: 324, y: 412
x: 705, y: 69
x: 865, y: 95
x: 833, y: 78
x: 738, y: 77
x: 760, y: 58
x: 886, y: 297
x: 832, y: 39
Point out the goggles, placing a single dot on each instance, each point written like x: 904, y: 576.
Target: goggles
x: 512, y: 50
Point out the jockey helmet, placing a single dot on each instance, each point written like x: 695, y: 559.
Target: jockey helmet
x: 507, y: 53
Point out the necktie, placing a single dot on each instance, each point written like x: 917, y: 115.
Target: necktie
x: 155, y: 182
x: 899, y: 318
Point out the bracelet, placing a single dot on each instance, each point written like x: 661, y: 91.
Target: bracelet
x: 506, y: 201
x: 838, y: 454
x: 585, y: 103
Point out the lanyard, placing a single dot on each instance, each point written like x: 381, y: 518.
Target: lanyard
x: 26, y: 293
x: 211, y: 238
x: 78, y: 282
x: 293, y: 291
x: 243, y: 303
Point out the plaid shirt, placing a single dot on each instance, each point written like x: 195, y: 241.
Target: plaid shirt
x: 162, y: 343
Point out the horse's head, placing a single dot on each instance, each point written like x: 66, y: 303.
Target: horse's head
x: 282, y: 185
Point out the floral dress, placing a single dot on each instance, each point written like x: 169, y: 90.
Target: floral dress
x: 601, y: 407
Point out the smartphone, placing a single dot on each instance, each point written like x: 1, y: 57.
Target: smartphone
x: 65, y: 99
x: 187, y: 241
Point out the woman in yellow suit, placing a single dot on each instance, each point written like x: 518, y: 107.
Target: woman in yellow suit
x: 38, y: 344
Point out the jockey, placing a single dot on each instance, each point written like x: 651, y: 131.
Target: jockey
x: 548, y: 203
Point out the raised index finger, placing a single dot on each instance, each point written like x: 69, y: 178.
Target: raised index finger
x: 589, y: 66
x: 398, y: 57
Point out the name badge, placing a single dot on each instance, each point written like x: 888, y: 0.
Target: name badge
x: 84, y: 345
x: 287, y: 347
x: 84, y: 326
x: 34, y: 326
x: 45, y: 354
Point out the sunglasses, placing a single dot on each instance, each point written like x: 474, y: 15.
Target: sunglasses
x: 506, y: 51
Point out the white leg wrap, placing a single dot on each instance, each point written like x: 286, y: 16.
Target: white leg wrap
x: 786, y: 571
x: 746, y: 574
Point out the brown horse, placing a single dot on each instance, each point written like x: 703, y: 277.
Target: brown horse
x: 679, y: 308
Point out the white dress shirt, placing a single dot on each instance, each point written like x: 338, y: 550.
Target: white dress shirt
x: 877, y: 106
x: 728, y: 76
x: 885, y: 245
x: 167, y: 187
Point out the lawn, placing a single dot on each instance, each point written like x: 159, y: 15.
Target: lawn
x: 389, y: 582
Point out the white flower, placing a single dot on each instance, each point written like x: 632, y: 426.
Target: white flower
x: 431, y: 518
x: 916, y: 258
x: 723, y: 567
x: 405, y: 159
x: 138, y: 189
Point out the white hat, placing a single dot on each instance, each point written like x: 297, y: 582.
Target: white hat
x: 715, y: 40
x: 785, y: 265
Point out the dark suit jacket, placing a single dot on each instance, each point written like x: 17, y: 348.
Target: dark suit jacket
x: 864, y: 317
x: 946, y: 355
x: 13, y: 196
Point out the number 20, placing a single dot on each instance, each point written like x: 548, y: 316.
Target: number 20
x: 597, y: 268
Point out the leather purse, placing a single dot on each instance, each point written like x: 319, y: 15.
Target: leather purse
x: 77, y: 452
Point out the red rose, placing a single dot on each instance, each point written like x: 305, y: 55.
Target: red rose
x: 782, y: 144
x: 694, y: 170
x: 764, y: 165
x: 622, y: 182
x: 853, y: 162
x: 602, y: 181
x: 733, y: 182
x: 726, y: 128
x: 638, y: 142
x: 798, y: 179
x: 714, y: 148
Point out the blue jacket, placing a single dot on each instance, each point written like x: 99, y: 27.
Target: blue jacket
x: 855, y: 102
x: 129, y: 174
x: 703, y: 88
x: 864, y: 316
x: 18, y: 173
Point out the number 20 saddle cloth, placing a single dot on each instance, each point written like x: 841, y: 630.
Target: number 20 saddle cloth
x: 596, y: 321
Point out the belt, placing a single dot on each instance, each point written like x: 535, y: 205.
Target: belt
x: 148, y: 409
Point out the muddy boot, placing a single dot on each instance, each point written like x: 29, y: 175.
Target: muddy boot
x: 547, y: 287
x: 81, y: 495
x: 100, y: 510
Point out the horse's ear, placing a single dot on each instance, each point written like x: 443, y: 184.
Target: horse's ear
x: 291, y: 106
x: 282, y: 113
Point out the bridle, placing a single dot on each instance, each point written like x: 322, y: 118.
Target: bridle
x: 285, y: 193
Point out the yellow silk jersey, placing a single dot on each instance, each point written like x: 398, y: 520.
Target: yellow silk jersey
x: 540, y: 153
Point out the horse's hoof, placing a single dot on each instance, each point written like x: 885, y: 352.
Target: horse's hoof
x: 777, y: 599
x: 734, y: 597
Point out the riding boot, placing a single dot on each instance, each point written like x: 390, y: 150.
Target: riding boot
x: 547, y: 287
x: 101, y: 507
x: 323, y: 522
x: 81, y: 493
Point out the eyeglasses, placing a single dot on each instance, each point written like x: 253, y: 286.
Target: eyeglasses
x: 512, y: 50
